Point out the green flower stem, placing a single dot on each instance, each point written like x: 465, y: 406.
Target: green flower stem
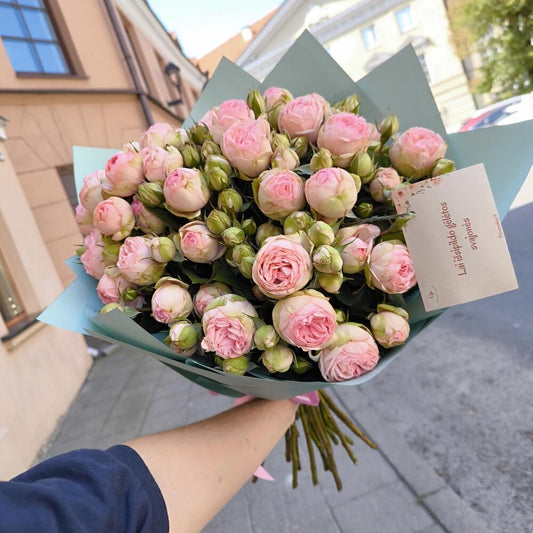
x: 309, y: 441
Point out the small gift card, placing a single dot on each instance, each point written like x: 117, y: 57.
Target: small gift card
x: 456, y: 239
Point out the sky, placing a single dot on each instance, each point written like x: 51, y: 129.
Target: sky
x: 202, y: 25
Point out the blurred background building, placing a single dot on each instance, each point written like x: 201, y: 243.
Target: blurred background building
x: 91, y: 73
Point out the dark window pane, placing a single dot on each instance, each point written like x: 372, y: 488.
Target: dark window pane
x: 32, y: 3
x: 52, y: 58
x: 38, y: 24
x: 11, y: 23
x: 22, y: 56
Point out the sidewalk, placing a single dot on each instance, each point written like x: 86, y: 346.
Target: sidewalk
x: 390, y: 491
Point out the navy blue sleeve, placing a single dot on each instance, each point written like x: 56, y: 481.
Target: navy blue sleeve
x: 84, y: 491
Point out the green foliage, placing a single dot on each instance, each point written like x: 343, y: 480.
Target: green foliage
x: 501, y: 31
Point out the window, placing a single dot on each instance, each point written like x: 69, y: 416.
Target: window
x: 30, y: 38
x: 369, y: 37
x: 10, y: 307
x: 404, y: 19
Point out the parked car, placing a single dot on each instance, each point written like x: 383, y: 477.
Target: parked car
x: 507, y: 111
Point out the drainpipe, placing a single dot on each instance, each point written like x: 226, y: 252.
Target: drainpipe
x: 143, y: 99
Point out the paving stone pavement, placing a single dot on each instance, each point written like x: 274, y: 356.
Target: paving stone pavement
x: 391, y: 490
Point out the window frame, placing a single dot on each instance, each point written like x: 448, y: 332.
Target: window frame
x: 14, y: 322
x: 376, y: 43
x: 396, y: 16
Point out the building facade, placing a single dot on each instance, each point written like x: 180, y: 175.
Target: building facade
x: 91, y: 73
x: 362, y: 34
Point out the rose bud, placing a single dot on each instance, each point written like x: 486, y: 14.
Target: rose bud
x: 221, y: 118
x: 114, y: 217
x: 112, y: 287
x: 145, y: 220
x: 92, y: 259
x: 352, y: 353
x: 191, y: 156
x: 340, y: 316
x: 327, y: 260
x: 111, y: 307
x: 163, y: 249
x: 199, y: 133
x: 303, y: 116
x: 266, y: 230
x: 285, y: 158
x: 321, y: 233
x: 235, y: 365
x: 364, y: 209
x: 331, y: 192
x: 356, y: 243
x: 173, y: 160
x: 198, y: 244
x: 247, y: 146
x: 305, y: 319
x: 266, y: 337
x: 388, y: 127
x: 239, y: 252
x: 220, y: 162
x: 389, y: 325
x: 183, y: 337
x: 415, y: 152
x: 390, y: 268
x: 228, y: 326
x: 331, y: 283
x: 208, y: 292
x: 255, y: 102
x: 443, y: 166
x: 249, y: 226
x: 124, y: 173
x: 110, y: 253
x: 350, y: 104
x: 209, y: 148
x: 177, y: 138
x: 171, y: 301
x: 84, y: 219
x: 322, y: 159
x: 385, y: 180
x: 150, y: 194
x: 80, y: 250
x: 280, y: 140
x: 217, y: 221
x: 153, y: 160
x: 233, y: 236
x: 131, y: 295
x: 135, y: 261
x: 300, y: 145
x: 282, y: 266
x: 274, y: 96
x: 91, y: 191
x: 230, y: 201
x: 186, y: 192
x: 362, y: 165
x: 297, y: 221
x: 217, y: 179
x: 301, y: 365
x: 279, y: 192
x: 344, y: 134
x: 278, y: 359
x: 246, y: 266
x: 156, y: 135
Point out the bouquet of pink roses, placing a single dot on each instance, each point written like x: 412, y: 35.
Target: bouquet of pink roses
x: 262, y: 245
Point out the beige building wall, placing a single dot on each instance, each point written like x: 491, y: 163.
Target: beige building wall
x: 42, y: 368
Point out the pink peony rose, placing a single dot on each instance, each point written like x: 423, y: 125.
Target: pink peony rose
x: 390, y: 267
x: 228, y: 326
x: 171, y: 301
x: 344, y: 134
x: 173, y: 160
x: 247, y: 146
x: 305, y: 319
x: 198, y: 244
x: 385, y: 180
x: 282, y: 266
x: 92, y: 259
x: 356, y: 242
x: 158, y: 135
x: 124, y: 173
x: 135, y: 261
x: 91, y: 191
x: 111, y: 286
x: 352, y: 353
x: 84, y: 219
x: 389, y: 328
x: 186, y: 192
x: 331, y: 192
x: 208, y: 292
x: 274, y: 96
x: 114, y: 217
x: 279, y: 193
x: 154, y: 158
x: 303, y: 116
x: 221, y: 118
x: 416, y: 151
x: 375, y: 135
x: 145, y: 220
